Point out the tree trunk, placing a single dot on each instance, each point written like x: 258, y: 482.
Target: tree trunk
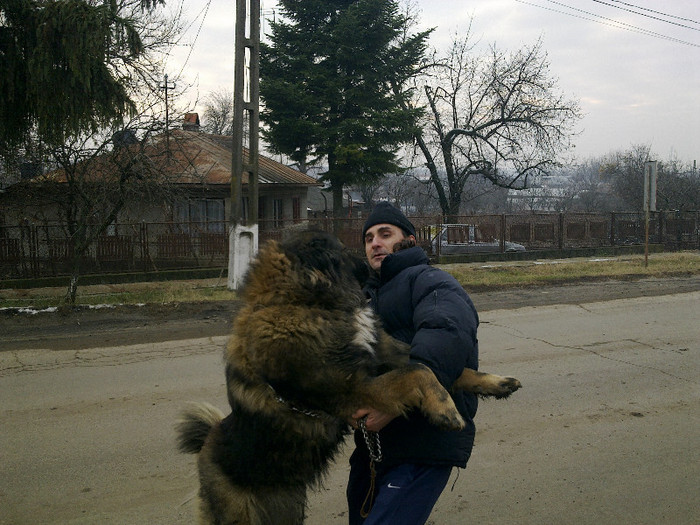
x: 452, y: 212
x: 75, y: 269
x: 338, y: 209
x: 72, y: 291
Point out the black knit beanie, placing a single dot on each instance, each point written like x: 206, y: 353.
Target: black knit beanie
x: 385, y: 213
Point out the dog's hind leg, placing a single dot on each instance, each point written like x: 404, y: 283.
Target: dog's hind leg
x: 280, y: 506
x: 487, y: 385
x: 253, y: 506
x: 225, y: 500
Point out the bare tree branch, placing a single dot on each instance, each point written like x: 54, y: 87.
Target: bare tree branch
x: 496, y: 116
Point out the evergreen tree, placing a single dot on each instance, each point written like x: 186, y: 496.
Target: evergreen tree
x: 333, y: 86
x: 56, y: 66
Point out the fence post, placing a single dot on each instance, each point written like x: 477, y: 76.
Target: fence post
x: 438, y: 237
x: 34, y: 251
x: 143, y: 241
x: 612, y: 228
x: 561, y: 231
x: 503, y: 233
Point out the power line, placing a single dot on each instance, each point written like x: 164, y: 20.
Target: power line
x: 657, y: 12
x: 607, y: 21
x: 199, y: 29
x: 649, y: 16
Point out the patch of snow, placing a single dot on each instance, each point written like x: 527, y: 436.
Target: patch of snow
x: 29, y: 310
x: 99, y: 306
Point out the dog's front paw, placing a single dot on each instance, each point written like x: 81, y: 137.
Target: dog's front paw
x: 502, y: 388
x: 444, y: 413
x: 438, y: 407
x: 450, y: 420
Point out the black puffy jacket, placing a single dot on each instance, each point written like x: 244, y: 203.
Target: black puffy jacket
x: 427, y: 308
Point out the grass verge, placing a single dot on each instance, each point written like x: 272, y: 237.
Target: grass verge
x: 485, y: 276
x: 163, y: 292
x: 473, y: 276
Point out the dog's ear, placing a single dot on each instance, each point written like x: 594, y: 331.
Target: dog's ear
x: 360, y: 268
x: 404, y: 245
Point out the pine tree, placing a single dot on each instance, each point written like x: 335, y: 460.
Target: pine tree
x: 333, y: 82
x: 55, y: 71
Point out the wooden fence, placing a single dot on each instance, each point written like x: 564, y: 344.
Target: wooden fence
x: 32, y: 250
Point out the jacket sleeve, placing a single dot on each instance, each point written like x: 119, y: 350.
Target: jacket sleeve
x: 446, y: 326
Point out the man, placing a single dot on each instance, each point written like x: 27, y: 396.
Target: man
x: 428, y: 309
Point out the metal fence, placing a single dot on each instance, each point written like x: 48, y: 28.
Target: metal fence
x: 29, y: 250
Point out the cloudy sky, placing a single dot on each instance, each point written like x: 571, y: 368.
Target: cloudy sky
x: 634, y: 65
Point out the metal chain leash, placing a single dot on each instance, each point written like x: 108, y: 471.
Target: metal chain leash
x: 374, y: 449
x: 371, y: 440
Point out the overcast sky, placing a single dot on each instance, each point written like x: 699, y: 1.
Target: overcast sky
x: 633, y: 65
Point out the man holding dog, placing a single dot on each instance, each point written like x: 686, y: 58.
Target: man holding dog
x: 428, y: 309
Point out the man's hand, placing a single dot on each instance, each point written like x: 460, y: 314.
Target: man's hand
x: 376, y: 420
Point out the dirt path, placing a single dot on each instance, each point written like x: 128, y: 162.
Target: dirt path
x: 126, y: 325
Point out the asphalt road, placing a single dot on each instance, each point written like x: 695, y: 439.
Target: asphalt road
x: 605, y: 430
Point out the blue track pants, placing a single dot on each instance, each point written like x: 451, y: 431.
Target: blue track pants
x: 403, y: 495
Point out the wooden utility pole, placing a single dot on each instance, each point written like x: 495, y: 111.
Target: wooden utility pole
x: 243, y: 230
x: 165, y: 85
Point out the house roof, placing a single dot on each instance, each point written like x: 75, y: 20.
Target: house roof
x: 195, y: 158
x: 202, y: 155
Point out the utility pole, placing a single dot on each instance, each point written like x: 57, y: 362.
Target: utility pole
x: 165, y: 85
x: 243, y: 231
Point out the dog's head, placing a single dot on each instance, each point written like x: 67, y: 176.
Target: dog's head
x: 324, y: 259
x: 308, y: 267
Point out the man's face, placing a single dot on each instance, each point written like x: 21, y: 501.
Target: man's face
x: 379, y: 242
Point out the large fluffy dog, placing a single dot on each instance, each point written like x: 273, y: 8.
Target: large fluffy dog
x: 305, y: 353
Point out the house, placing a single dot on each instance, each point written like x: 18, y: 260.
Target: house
x: 203, y: 164
x: 177, y: 214
x: 198, y: 168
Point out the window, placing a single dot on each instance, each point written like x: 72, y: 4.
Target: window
x: 262, y: 212
x: 296, y: 209
x: 277, y: 213
x: 203, y: 214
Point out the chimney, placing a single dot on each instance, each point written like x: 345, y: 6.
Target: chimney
x: 191, y: 122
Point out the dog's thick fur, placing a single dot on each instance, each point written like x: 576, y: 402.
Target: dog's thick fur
x: 305, y: 353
